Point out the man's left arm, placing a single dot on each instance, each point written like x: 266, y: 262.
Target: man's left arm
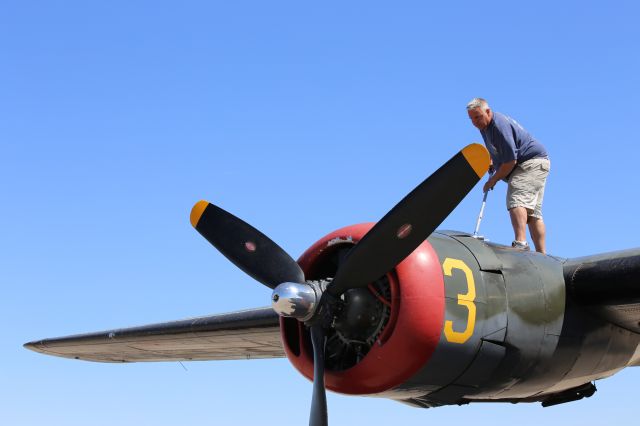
x: 502, y: 172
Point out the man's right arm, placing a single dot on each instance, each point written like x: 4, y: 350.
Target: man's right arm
x: 502, y: 172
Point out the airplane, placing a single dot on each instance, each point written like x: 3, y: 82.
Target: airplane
x: 400, y: 310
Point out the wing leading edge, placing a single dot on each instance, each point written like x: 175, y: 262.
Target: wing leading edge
x: 248, y: 334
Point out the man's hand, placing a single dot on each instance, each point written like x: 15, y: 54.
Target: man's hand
x: 501, y: 173
x: 489, y: 185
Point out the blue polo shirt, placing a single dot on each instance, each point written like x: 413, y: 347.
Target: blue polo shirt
x: 506, y: 140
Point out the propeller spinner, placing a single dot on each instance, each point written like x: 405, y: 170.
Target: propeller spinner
x: 319, y: 304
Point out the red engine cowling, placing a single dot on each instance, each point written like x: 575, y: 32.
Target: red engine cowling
x: 414, y: 302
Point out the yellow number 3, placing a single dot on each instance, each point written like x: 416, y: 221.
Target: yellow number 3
x: 465, y: 300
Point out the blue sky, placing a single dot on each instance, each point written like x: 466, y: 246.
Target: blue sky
x: 116, y: 117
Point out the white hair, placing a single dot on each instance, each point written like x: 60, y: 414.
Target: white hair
x: 477, y: 103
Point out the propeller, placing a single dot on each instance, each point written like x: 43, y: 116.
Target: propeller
x: 318, y: 415
x: 412, y: 220
x: 392, y: 239
x: 245, y: 246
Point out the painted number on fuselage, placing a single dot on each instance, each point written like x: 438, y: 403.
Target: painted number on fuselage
x: 466, y: 300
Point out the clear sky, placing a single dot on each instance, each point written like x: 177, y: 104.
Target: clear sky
x: 116, y: 117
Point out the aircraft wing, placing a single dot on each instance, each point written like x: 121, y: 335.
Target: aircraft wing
x: 253, y: 333
x: 609, y: 284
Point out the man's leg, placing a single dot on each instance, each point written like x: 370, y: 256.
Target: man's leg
x: 537, y: 229
x: 538, y: 233
x: 519, y: 223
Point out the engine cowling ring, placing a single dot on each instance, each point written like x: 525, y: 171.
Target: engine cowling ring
x: 410, y: 336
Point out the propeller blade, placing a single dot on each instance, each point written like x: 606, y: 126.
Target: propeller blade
x: 318, y: 415
x: 412, y: 220
x: 245, y: 246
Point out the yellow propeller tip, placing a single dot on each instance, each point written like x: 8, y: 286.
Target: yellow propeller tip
x: 478, y: 158
x: 196, y: 212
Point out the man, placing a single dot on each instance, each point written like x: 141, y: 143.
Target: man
x: 522, y: 162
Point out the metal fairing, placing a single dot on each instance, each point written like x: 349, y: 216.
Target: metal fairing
x: 530, y: 342
x: 460, y: 368
x: 536, y: 301
x: 576, y: 346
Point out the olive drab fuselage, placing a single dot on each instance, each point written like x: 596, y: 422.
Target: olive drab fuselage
x: 510, y: 332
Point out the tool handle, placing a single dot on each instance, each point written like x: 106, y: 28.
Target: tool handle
x: 484, y: 203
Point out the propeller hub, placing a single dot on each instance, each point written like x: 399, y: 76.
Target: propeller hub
x: 295, y: 300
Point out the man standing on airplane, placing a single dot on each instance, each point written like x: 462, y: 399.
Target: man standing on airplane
x: 521, y: 161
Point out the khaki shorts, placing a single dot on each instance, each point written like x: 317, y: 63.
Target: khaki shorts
x: 526, y: 186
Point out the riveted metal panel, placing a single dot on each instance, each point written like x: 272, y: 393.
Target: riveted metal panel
x: 484, y: 366
x: 536, y: 306
x: 452, y: 359
x: 480, y: 249
x: 495, y: 324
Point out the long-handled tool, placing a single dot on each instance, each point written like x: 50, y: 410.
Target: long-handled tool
x: 484, y: 203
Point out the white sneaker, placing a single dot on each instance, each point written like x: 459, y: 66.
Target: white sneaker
x: 520, y: 245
